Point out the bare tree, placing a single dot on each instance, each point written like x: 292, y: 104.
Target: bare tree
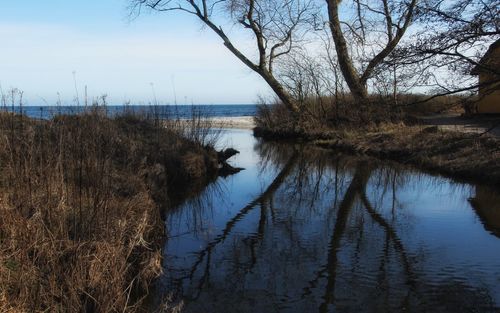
x: 366, y: 36
x: 277, y: 27
x: 452, y: 38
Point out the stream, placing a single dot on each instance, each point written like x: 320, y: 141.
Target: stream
x: 308, y: 230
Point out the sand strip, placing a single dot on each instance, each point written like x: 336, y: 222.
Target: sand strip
x: 241, y: 122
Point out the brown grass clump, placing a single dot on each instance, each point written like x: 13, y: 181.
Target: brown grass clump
x: 80, y: 200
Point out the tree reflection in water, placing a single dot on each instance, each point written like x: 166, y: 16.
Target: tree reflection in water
x: 329, y: 234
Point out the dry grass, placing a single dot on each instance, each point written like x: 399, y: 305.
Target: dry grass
x: 80, y: 200
x: 422, y: 105
x: 324, y: 113
x: 459, y: 155
x: 388, y: 131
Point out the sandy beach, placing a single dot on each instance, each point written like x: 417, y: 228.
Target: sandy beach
x: 241, y: 122
x: 237, y: 122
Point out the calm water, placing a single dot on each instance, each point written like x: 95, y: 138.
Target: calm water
x: 163, y: 111
x: 313, y: 231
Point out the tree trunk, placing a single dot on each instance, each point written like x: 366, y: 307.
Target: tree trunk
x: 275, y: 85
x: 282, y: 94
x: 351, y: 76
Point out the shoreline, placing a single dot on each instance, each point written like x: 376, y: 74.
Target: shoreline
x: 460, y: 156
x: 425, y: 147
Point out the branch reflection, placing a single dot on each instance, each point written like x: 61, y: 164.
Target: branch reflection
x: 329, y: 233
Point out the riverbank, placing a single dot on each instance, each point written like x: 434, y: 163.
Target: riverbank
x: 458, y: 155
x: 81, y: 200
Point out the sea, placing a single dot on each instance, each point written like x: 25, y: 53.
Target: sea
x: 160, y: 111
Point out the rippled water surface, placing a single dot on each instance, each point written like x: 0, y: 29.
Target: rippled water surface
x: 305, y: 230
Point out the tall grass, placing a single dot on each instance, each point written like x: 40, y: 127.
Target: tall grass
x: 324, y: 113
x: 389, y: 130
x: 80, y: 200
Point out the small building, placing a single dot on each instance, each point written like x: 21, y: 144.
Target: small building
x: 488, y: 71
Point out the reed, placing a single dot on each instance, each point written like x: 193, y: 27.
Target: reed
x: 81, y: 199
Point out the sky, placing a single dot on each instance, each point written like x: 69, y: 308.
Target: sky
x: 47, y: 46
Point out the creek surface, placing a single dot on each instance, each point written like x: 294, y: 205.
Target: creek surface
x: 306, y: 230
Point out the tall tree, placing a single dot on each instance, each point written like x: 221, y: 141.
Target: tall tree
x: 372, y: 29
x: 276, y: 26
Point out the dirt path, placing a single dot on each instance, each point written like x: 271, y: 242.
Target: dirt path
x: 455, y: 122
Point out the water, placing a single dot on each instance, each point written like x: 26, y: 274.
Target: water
x: 163, y: 111
x: 305, y: 230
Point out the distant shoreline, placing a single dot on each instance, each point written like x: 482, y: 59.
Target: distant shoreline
x: 162, y: 111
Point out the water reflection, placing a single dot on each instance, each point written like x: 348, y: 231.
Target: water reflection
x: 487, y: 205
x: 304, y: 230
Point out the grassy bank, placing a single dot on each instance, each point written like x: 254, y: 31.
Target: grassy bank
x: 458, y: 155
x: 80, y: 203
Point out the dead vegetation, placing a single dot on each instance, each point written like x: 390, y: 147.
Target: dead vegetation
x: 341, y: 111
x: 455, y: 154
x: 389, y: 131
x: 81, y: 199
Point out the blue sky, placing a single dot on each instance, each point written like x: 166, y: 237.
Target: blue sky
x: 44, y: 42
